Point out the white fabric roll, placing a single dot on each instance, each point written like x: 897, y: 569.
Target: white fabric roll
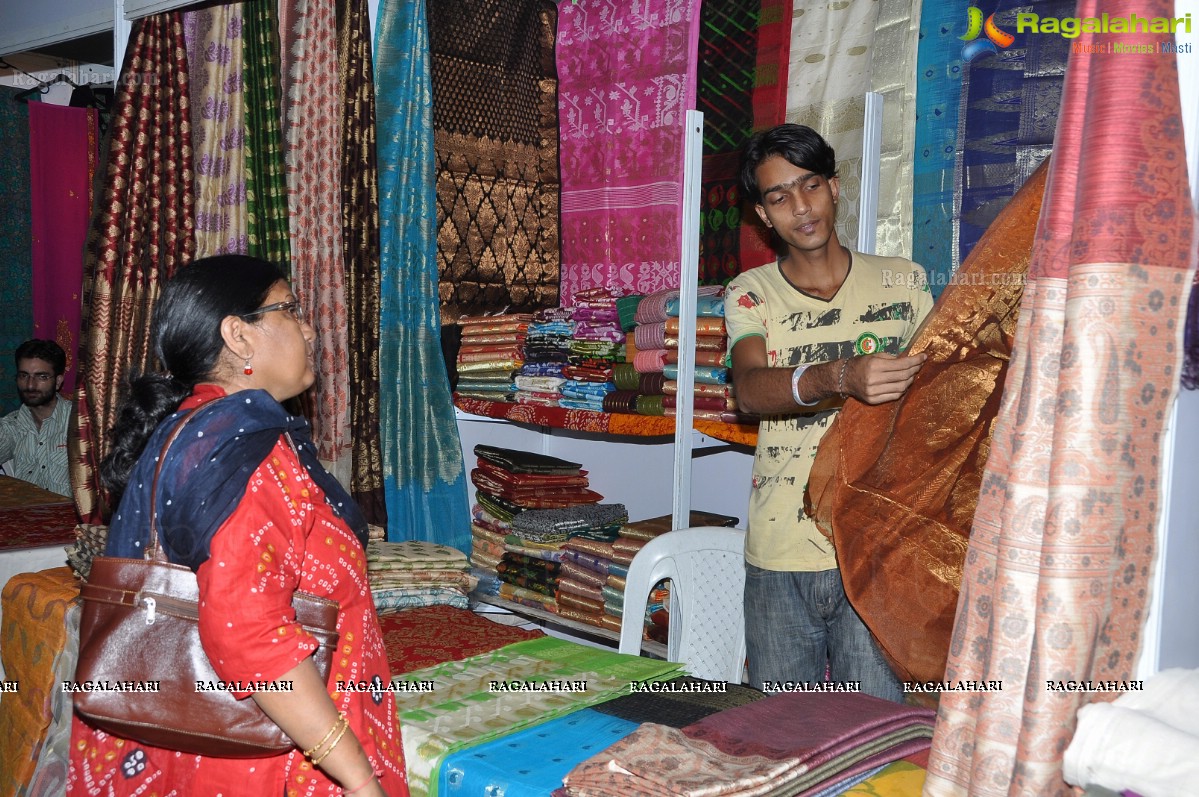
x: 1121, y: 749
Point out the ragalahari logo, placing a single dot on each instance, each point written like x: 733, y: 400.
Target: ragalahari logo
x: 996, y: 40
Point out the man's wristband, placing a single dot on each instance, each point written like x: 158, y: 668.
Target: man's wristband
x: 795, y: 375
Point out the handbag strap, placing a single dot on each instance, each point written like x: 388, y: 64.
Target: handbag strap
x: 153, y: 548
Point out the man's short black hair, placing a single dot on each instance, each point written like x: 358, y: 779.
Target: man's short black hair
x: 46, y: 350
x: 802, y: 146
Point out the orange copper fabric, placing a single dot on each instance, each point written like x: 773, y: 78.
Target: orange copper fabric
x: 895, y: 486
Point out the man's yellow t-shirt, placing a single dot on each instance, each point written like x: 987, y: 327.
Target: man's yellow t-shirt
x: 878, y: 308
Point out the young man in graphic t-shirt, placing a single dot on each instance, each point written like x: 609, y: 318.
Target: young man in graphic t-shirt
x: 820, y: 324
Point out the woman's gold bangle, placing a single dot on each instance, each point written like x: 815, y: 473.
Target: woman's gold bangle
x: 341, y: 717
x: 316, y: 762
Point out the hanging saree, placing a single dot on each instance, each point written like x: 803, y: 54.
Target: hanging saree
x: 728, y: 50
x: 497, y: 154
x: 63, y: 154
x: 15, y: 244
x: 827, y: 80
x: 1058, y: 574
x: 312, y: 152
x: 939, y: 69
x: 626, y: 77
x: 141, y: 232
x: 267, y: 234
x: 1009, y: 108
x: 215, y: 54
x: 360, y: 239
x: 895, y: 485
x: 424, y: 477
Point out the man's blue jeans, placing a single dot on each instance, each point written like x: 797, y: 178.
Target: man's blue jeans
x: 796, y: 623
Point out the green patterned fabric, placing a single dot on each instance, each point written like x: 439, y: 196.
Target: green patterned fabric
x: 266, y: 187
x: 465, y: 707
x: 16, y: 248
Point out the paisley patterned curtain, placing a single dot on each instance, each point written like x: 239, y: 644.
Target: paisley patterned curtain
x: 1057, y: 574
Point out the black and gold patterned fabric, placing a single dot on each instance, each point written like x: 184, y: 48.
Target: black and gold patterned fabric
x: 495, y: 121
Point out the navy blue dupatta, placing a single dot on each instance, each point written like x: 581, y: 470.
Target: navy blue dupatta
x: 206, y: 472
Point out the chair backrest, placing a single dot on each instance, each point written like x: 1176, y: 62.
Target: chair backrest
x: 706, y: 568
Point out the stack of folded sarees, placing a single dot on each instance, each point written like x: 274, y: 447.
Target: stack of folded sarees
x: 509, y: 484
x: 595, y: 567
x: 491, y: 354
x: 546, y: 352
x: 549, y: 533
x: 790, y: 743
x: 650, y: 387
x: 595, y: 347
x: 405, y: 575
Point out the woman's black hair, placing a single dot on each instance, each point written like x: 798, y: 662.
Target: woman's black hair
x: 802, y: 146
x: 186, y: 336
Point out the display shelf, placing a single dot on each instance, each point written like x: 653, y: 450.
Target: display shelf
x: 608, y: 637
x: 607, y: 423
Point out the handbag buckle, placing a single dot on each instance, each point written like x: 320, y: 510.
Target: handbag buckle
x: 151, y: 605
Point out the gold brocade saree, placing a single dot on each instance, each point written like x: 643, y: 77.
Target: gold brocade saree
x: 895, y: 486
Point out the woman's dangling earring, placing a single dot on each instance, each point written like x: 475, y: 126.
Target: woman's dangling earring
x: 248, y: 370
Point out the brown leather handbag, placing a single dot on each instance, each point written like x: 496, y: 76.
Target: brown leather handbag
x: 142, y: 673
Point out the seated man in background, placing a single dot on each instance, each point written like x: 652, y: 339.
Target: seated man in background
x: 35, y: 436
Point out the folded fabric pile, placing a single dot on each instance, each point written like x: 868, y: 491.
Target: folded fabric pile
x: 649, y: 386
x: 596, y: 345
x: 491, y: 354
x: 585, y: 587
x: 595, y: 568
x: 403, y: 575
x: 519, y: 762
x: 547, y: 347
x: 544, y: 534
x: 1146, y: 741
x: 784, y: 744
x: 509, y: 484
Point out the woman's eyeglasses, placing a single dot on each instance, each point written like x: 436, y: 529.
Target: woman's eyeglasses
x: 292, y: 307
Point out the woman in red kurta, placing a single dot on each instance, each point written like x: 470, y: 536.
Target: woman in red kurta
x: 276, y: 522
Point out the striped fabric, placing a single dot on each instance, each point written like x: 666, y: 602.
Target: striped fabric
x: 267, y: 233
x: 142, y: 231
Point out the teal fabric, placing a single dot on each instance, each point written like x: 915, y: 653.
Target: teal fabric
x: 531, y: 762
x: 939, y: 68
x: 16, y: 248
x: 424, y: 477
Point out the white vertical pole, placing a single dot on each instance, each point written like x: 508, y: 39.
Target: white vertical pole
x: 688, y: 282
x: 120, y: 38
x: 872, y: 153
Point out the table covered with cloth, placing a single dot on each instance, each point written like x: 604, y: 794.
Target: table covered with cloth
x: 460, y: 736
x: 35, y: 527
x: 464, y: 736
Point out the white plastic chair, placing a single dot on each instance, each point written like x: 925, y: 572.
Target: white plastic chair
x: 706, y: 568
